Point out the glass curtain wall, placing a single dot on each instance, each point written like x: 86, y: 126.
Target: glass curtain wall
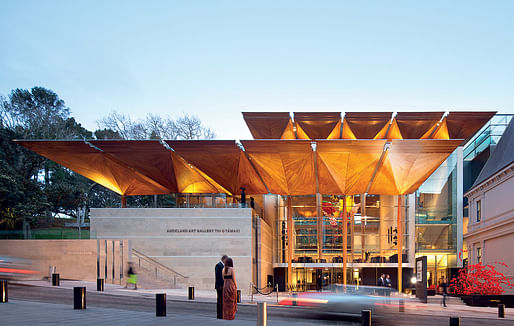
x: 436, y: 220
x: 372, y: 230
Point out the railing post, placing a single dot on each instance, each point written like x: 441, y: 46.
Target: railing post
x: 262, y: 317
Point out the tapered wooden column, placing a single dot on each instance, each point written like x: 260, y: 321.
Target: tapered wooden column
x: 345, y: 238
x: 289, y: 241
x: 400, y: 242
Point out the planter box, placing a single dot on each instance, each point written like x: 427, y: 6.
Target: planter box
x: 488, y: 300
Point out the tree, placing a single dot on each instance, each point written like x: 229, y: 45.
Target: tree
x: 156, y: 127
x: 480, y: 279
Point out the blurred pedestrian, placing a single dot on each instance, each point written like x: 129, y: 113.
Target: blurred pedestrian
x: 132, y: 276
x: 218, y: 272
x: 229, y: 291
x: 444, y: 285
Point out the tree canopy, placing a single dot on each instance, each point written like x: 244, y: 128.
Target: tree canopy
x: 34, y: 190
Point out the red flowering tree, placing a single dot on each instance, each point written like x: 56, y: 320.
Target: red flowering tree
x: 480, y: 279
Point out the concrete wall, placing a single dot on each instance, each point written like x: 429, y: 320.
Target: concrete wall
x: 265, y: 259
x: 189, y: 241
x: 73, y: 259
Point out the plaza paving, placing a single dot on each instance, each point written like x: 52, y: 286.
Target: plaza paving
x: 17, y: 312
x: 119, y: 306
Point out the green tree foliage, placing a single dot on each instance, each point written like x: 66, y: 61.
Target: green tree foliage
x: 33, y: 189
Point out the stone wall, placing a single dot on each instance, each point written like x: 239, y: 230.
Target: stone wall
x: 73, y: 259
x: 187, y: 240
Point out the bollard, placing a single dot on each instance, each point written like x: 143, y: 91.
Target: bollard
x: 238, y: 296
x: 401, y: 306
x: 366, y: 318
x: 501, y: 310
x: 55, y: 279
x: 100, y: 284
x: 79, y: 297
x: 262, y: 318
x: 4, y: 293
x: 295, y: 297
x: 160, y: 304
x: 191, y: 293
x: 454, y: 321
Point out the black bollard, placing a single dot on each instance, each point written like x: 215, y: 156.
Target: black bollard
x: 295, y: 297
x: 366, y: 318
x: 238, y: 296
x: 454, y: 321
x: 56, y: 279
x: 160, y: 304
x: 501, y: 310
x: 191, y: 293
x: 100, y: 284
x: 4, y: 293
x: 79, y: 297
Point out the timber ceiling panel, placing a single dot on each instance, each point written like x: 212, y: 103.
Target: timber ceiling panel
x: 96, y: 166
x: 152, y: 159
x: 269, y: 125
x: 415, y: 125
x: 463, y: 125
x: 346, y: 166
x: 223, y: 161
x: 408, y: 163
x: 286, y: 166
x: 366, y: 125
x: 318, y: 125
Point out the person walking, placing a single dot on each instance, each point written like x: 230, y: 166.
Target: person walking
x: 218, y: 272
x: 229, y: 291
x: 444, y: 285
x: 132, y: 276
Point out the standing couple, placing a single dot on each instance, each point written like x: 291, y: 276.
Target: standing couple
x: 226, y: 289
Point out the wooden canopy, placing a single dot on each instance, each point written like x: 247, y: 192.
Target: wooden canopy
x: 373, y: 153
x: 365, y: 125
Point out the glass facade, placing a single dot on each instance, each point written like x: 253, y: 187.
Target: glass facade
x: 437, y: 219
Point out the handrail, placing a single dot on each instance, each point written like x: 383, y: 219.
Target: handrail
x: 155, y: 262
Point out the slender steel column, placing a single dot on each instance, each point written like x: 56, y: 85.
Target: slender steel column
x: 400, y: 242
x: 319, y: 225
x: 289, y: 240
x: 345, y: 239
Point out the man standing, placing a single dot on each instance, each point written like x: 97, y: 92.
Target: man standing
x: 381, y: 283
x: 218, y: 271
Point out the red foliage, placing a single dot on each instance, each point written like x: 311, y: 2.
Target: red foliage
x: 480, y: 279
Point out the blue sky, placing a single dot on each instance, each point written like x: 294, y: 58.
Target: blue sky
x: 218, y: 58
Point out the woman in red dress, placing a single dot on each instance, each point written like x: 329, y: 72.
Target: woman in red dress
x: 229, y: 291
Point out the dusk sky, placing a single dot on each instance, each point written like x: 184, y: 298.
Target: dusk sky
x: 218, y: 58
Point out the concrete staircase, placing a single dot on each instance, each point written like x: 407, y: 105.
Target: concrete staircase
x: 154, y: 275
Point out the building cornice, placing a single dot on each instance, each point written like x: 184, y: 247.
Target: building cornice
x: 497, y: 178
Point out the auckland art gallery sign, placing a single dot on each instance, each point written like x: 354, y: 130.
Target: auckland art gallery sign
x: 198, y: 231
